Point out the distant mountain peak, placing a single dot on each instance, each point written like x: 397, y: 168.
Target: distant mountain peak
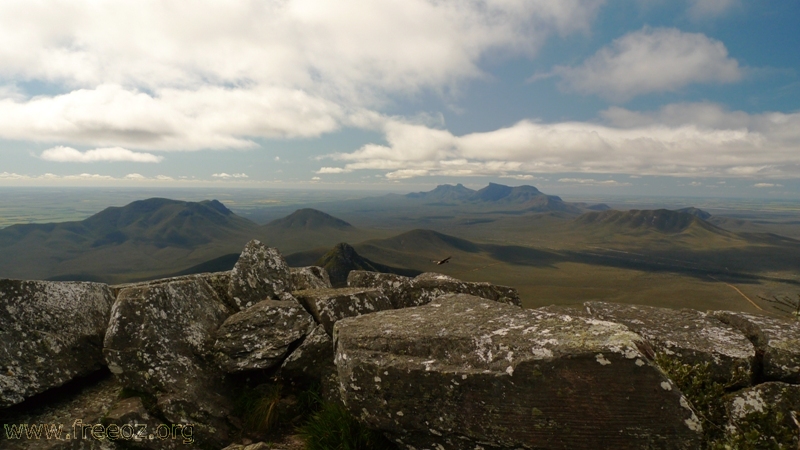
x: 662, y: 220
x: 696, y: 212
x: 309, y: 219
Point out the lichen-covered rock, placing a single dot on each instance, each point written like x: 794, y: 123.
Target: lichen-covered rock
x: 777, y: 340
x: 330, y: 305
x: 156, y: 343
x: 312, y: 359
x: 311, y: 277
x: 761, y: 416
x: 689, y: 336
x: 405, y: 292
x: 219, y: 281
x: 260, y: 336
x: 50, y: 333
x: 130, y: 414
x: 260, y: 274
x: 463, y: 373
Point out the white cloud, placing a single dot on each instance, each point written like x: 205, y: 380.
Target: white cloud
x: 704, y: 9
x: 767, y: 185
x: 739, y: 145
x: 224, y: 175
x: 134, y: 176
x: 175, y: 75
x: 592, y: 182
x: 68, y: 154
x: 650, y: 60
x: 333, y: 170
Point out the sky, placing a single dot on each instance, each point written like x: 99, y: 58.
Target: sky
x: 656, y: 97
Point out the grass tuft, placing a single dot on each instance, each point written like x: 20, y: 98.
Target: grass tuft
x: 333, y: 428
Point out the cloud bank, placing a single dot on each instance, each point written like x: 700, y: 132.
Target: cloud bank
x: 678, y: 140
x: 68, y: 154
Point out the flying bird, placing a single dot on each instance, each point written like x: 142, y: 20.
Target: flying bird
x: 444, y: 261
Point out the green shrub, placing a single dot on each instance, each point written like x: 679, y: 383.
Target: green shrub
x: 260, y: 408
x: 333, y: 428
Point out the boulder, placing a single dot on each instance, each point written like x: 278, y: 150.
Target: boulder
x: 311, y: 277
x: 762, y: 416
x: 218, y: 281
x: 50, y: 333
x: 691, y: 337
x: 260, y: 274
x: 157, y: 341
x: 406, y: 292
x: 312, y: 359
x: 777, y: 340
x: 464, y: 372
x: 261, y: 336
x: 330, y: 305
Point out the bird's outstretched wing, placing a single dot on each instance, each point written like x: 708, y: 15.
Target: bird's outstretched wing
x: 439, y: 263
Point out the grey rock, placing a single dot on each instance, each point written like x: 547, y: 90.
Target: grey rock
x: 50, y: 333
x: 405, y: 292
x: 219, y: 281
x: 130, y: 424
x: 256, y: 446
x: 312, y: 359
x: 70, y: 412
x: 311, y: 277
x: 156, y: 343
x: 330, y: 305
x: 260, y: 274
x: 260, y: 336
x: 777, y: 340
x: 463, y: 373
x: 689, y: 336
x: 767, y: 410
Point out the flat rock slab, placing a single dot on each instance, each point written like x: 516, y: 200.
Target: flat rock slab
x: 691, y: 337
x: 777, y: 340
x: 311, y: 277
x: 219, y: 281
x: 260, y: 274
x: 405, y: 292
x: 260, y: 336
x: 157, y: 341
x: 464, y: 372
x: 50, y: 333
x: 330, y: 305
x: 312, y: 359
x: 765, y: 410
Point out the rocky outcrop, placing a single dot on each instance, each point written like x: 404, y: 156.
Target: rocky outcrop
x: 132, y: 426
x: 50, y: 333
x: 312, y: 277
x: 764, y: 416
x: 331, y: 305
x: 464, y: 372
x: 777, y: 340
x: 156, y: 343
x: 691, y: 337
x: 405, y: 292
x: 260, y: 336
x: 260, y: 274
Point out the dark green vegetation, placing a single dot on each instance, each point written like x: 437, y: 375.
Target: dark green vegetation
x: 553, y: 251
x: 333, y: 428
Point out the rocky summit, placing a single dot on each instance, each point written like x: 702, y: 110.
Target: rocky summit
x: 231, y: 359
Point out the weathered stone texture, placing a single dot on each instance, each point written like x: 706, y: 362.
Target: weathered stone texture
x: 312, y: 359
x: 464, y: 373
x: 260, y: 336
x: 690, y: 336
x: 777, y: 340
x: 768, y: 406
x: 156, y: 343
x: 131, y: 413
x: 50, y: 333
x: 260, y: 274
x: 330, y: 305
x: 311, y: 277
x: 219, y: 281
x: 405, y: 292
